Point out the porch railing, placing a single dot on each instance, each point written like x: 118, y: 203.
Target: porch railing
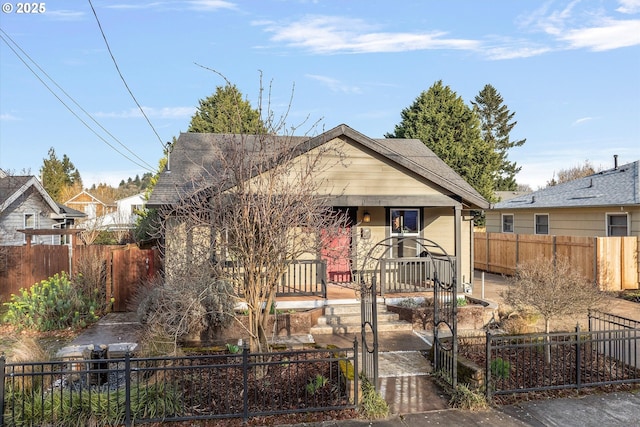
x: 413, y: 274
x: 302, y: 278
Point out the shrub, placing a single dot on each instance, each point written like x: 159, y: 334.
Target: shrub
x: 463, y: 397
x: 52, y: 304
x: 373, y: 406
x: 500, y: 368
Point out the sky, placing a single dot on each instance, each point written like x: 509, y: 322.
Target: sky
x: 569, y: 70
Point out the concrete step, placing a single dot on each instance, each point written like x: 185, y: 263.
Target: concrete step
x: 346, y: 319
x: 398, y: 325
x: 331, y: 319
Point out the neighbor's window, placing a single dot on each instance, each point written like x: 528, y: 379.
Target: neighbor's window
x: 507, y: 223
x: 542, y: 223
x: 29, y: 222
x: 617, y: 224
x: 405, y: 221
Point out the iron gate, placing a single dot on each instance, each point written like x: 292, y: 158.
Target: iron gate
x: 438, y: 268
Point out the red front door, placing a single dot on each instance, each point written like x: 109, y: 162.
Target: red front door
x: 337, y: 253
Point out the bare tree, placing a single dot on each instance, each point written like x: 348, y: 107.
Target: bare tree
x: 256, y: 203
x: 574, y: 172
x: 552, y: 289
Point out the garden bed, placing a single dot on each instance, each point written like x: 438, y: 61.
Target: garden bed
x: 474, y: 314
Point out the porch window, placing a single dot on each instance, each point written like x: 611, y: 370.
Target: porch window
x: 542, y: 223
x: 507, y: 223
x: 617, y: 224
x: 405, y: 222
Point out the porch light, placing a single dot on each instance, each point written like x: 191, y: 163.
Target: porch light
x: 366, y: 217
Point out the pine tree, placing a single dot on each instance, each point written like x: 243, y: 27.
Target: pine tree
x: 496, y: 120
x: 56, y: 175
x: 444, y: 123
x: 226, y: 112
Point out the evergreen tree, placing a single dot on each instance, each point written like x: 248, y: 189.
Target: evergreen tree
x: 56, y: 175
x: 445, y: 124
x: 226, y: 112
x: 496, y: 120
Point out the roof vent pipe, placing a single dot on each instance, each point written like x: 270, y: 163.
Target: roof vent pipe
x: 533, y: 199
x: 615, y: 162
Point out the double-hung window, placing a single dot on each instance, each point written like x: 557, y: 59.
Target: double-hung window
x: 507, y: 223
x: 541, y: 223
x: 617, y: 224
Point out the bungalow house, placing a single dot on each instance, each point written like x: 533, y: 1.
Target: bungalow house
x: 125, y: 215
x: 605, y: 204
x: 92, y: 206
x: 390, y: 188
x: 25, y: 205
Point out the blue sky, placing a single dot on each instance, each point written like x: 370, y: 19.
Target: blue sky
x: 570, y: 70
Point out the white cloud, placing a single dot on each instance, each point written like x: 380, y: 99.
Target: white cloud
x: 201, y: 5
x: 6, y: 117
x: 582, y: 120
x: 629, y: 6
x: 335, y: 85
x: 577, y: 27
x: 330, y: 34
x: 611, y: 34
x: 64, y: 15
x: 159, y: 113
x: 211, y: 4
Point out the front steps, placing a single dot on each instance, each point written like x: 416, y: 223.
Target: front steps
x: 345, y: 319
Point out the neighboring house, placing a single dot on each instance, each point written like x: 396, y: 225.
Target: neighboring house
x: 379, y: 182
x: 91, y: 205
x: 25, y: 205
x: 604, y: 204
x: 125, y: 215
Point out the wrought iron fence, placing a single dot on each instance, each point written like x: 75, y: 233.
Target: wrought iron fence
x: 142, y: 390
x: 560, y: 360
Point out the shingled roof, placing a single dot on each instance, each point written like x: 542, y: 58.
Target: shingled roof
x: 619, y: 186
x: 194, y: 151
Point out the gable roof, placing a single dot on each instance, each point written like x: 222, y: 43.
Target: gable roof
x: 614, y: 187
x: 193, y: 151
x: 91, y: 196
x: 12, y: 187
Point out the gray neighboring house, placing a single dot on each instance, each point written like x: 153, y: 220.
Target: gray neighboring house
x: 604, y: 204
x: 25, y: 204
x: 378, y: 182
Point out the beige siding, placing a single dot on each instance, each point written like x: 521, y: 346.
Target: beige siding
x: 585, y: 222
x: 355, y: 172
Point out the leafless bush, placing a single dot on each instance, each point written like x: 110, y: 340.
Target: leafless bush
x: 184, y: 307
x: 553, y: 289
x: 91, y: 279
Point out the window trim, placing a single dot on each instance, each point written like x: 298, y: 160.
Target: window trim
x: 402, y: 233
x: 513, y: 221
x: 535, y: 224
x: 607, y: 224
x: 34, y: 215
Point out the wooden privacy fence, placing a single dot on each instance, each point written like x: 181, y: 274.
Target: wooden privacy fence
x: 612, y: 262
x: 124, y: 267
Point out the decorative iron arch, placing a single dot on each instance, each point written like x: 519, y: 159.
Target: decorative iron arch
x: 441, y: 268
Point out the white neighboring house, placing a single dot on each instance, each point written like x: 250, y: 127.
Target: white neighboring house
x: 125, y: 215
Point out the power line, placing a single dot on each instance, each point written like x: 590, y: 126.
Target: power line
x: 146, y: 166
x: 104, y: 37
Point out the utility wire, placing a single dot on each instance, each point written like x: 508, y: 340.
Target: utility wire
x: 148, y: 166
x: 121, y: 76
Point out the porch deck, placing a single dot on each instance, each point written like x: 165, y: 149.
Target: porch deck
x: 339, y: 294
